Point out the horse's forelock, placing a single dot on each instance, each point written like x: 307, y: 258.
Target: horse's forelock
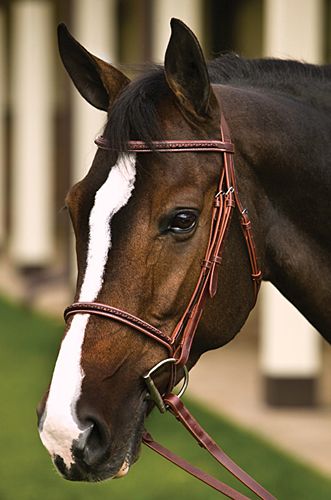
x: 134, y: 115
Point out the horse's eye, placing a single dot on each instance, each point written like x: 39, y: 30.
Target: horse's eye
x: 183, y: 221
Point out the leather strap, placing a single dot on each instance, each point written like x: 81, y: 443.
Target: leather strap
x: 246, y: 225
x: 124, y: 317
x: 191, y: 469
x: 171, y: 146
x: 177, y: 408
x: 226, y: 199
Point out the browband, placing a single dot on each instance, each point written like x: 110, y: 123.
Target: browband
x: 170, y: 146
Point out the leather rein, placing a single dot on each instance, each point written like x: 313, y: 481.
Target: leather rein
x: 179, y: 342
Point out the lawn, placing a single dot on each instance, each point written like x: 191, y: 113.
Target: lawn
x: 28, y: 345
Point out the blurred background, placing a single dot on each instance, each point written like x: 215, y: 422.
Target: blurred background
x: 276, y: 376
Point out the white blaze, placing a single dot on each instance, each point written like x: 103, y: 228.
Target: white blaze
x: 60, y: 425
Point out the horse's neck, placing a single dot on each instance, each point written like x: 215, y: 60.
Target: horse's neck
x: 299, y: 266
x: 285, y: 161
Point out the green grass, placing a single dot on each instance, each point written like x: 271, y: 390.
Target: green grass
x: 28, y: 345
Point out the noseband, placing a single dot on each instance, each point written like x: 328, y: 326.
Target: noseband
x: 179, y: 342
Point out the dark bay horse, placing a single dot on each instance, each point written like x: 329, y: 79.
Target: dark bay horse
x: 142, y: 223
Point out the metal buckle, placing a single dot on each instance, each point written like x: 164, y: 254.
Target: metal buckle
x: 153, y: 392
x: 230, y: 190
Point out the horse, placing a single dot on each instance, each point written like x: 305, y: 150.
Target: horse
x: 142, y: 219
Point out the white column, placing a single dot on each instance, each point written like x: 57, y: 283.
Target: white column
x: 294, y: 29
x: 3, y: 105
x: 32, y: 146
x: 94, y: 26
x: 289, y: 345
x: 189, y: 11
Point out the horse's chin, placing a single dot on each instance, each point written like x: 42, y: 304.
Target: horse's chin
x: 79, y: 472
x: 123, y: 470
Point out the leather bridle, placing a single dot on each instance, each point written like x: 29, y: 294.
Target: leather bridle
x: 179, y: 342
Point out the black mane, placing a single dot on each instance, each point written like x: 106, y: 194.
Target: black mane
x: 265, y: 73
x: 135, y: 116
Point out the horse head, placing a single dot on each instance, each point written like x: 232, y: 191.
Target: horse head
x: 142, y: 225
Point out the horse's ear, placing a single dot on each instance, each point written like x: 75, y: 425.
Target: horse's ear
x: 97, y: 81
x: 186, y: 70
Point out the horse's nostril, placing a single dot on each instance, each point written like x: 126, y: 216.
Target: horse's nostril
x: 95, y: 443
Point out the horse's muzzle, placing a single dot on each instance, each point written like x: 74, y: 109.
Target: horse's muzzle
x: 96, y: 456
